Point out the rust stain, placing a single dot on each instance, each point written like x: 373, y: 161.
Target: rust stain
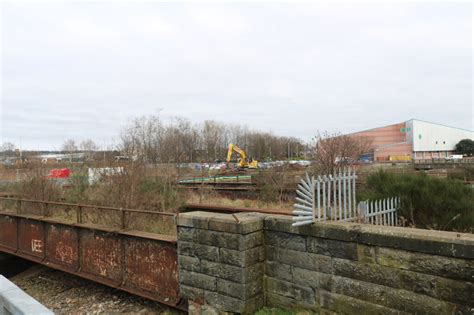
x: 8, y: 236
x: 101, y: 254
x: 141, y: 264
x: 31, y: 236
x: 152, y: 266
x: 62, y: 243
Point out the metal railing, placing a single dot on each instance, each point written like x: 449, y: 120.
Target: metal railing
x: 380, y: 212
x: 122, y: 215
x: 328, y: 197
x: 333, y: 197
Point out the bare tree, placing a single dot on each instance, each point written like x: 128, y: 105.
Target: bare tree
x: 331, y: 151
x: 69, y: 146
x: 88, y: 147
x: 141, y: 138
x: 7, y: 149
x: 181, y: 141
x: 212, y: 134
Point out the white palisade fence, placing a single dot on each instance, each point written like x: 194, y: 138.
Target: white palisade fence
x: 380, y: 212
x: 333, y: 197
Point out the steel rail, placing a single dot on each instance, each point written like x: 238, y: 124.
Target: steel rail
x: 88, y: 206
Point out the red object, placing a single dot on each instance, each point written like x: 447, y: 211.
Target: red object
x: 59, y: 173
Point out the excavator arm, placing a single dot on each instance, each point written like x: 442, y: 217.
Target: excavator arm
x: 243, y: 157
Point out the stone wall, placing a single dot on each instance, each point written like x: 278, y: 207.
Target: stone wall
x: 221, y: 261
x: 359, y: 269
x: 238, y: 263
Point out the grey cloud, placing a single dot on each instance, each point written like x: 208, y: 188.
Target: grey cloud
x: 82, y: 69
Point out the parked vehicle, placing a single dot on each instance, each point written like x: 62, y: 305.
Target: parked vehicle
x: 454, y: 157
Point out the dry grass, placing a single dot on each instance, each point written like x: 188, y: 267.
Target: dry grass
x: 212, y: 198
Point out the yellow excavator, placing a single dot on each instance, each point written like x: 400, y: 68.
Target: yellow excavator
x: 242, y: 161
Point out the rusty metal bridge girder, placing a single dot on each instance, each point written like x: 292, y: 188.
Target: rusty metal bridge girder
x: 138, y: 262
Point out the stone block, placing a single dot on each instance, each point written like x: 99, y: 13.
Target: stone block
x: 278, y: 270
x: 450, y: 244
x: 402, y: 300
x: 197, y: 280
x: 229, y: 240
x: 242, y: 291
x: 230, y: 304
x: 285, y: 240
x: 232, y: 273
x: 186, y: 234
x: 276, y: 300
x: 454, y: 268
x: 199, y: 251
x: 342, y: 304
x: 366, y: 253
x: 242, y: 258
x: 288, y: 289
x: 191, y: 293
x: 295, y: 258
x: 311, y: 278
x: 195, y: 219
x: 240, y: 223
x: 333, y: 248
x: 189, y: 263
x: 224, y: 303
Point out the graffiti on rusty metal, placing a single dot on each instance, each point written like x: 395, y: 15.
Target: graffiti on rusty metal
x: 37, y: 246
x: 136, y: 263
x: 64, y: 252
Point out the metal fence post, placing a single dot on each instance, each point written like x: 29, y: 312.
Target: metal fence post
x: 79, y: 214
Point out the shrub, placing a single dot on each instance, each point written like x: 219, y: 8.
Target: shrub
x: 465, y: 146
x: 37, y: 186
x: 427, y: 202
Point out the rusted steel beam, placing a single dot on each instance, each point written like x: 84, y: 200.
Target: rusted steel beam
x: 127, y: 232
x: 19, y: 200
x: 137, y: 262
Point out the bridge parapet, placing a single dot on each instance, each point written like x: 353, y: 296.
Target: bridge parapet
x: 13, y: 300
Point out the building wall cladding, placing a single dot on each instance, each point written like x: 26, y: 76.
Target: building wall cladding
x: 415, y: 138
x: 429, y: 137
x: 400, y: 149
x: 387, y: 140
x: 231, y: 263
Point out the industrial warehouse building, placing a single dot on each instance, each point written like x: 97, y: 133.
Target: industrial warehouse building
x: 413, y: 139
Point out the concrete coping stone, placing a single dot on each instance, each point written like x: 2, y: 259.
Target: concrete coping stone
x: 239, y: 223
x: 445, y: 243
x: 16, y: 301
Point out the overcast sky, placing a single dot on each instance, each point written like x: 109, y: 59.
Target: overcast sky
x: 81, y: 70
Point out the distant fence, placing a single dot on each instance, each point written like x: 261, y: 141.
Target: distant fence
x: 333, y: 197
